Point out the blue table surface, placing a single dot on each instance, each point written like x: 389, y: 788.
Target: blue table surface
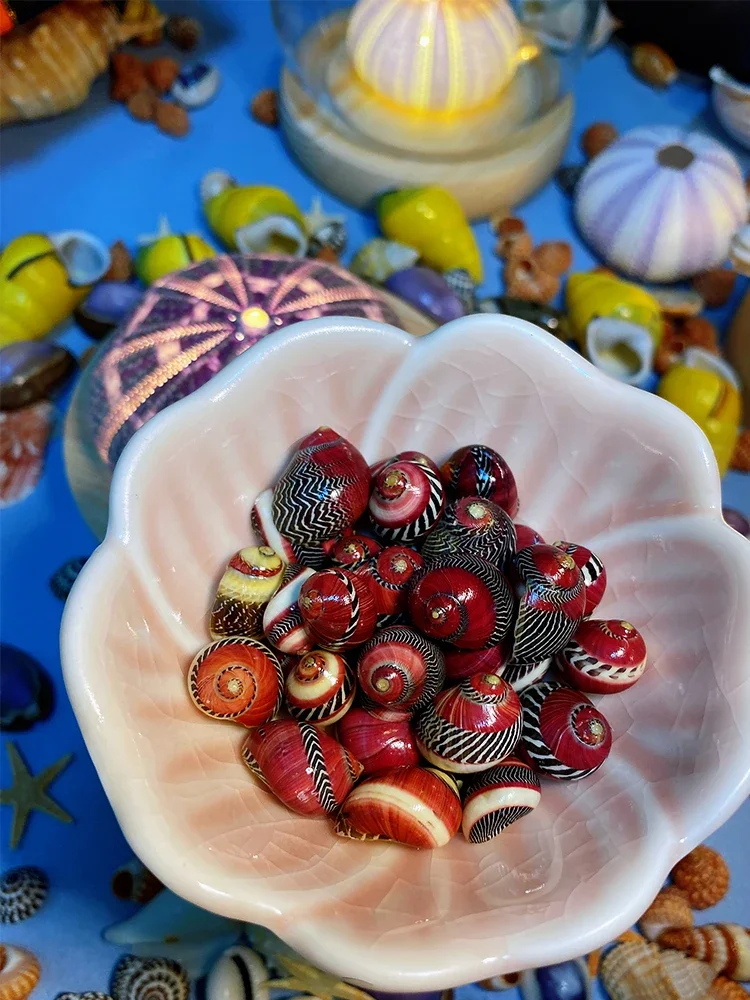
x: 98, y: 170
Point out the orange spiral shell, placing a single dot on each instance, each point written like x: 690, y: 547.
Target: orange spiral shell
x: 238, y: 680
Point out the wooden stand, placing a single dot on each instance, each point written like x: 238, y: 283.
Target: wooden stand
x: 357, y: 173
x: 90, y: 477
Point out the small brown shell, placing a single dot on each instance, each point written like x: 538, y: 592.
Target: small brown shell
x: 726, y: 989
x: 653, y: 65
x: 715, y: 287
x: 669, y: 909
x: 741, y: 455
x: 703, y: 876
x: 264, y: 107
x: 593, y: 959
x: 635, y: 971
x: 19, y: 972
x: 554, y: 256
x: 513, y: 240
x: 725, y: 947
x: 525, y: 279
x: 597, y: 138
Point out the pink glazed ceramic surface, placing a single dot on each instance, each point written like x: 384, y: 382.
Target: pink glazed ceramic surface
x: 601, y: 463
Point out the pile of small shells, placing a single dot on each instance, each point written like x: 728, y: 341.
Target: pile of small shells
x: 389, y: 643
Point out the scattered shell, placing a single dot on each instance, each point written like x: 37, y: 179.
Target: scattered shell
x: 725, y: 947
x: 567, y: 178
x: 635, y: 971
x: 726, y: 989
x: 669, y: 909
x: 62, y: 580
x: 162, y: 73
x: 525, y: 279
x: 196, y: 85
x: 172, y: 119
x: 554, y: 256
x: 23, y: 439
x: 120, y: 263
x: 325, y: 231
x: 513, y: 239
x: 142, y: 106
x: 594, y: 958
x: 239, y: 974
x: 108, y: 304
x: 88, y: 995
x: 377, y: 260
x: 680, y: 303
x: 497, y: 983
x: 136, y: 978
x: 563, y: 981
x: 596, y: 138
x: 19, y: 972
x: 462, y: 284
x: 136, y: 883
x: 704, y: 877
x: 264, y: 107
x: 184, y: 32
x: 22, y: 893
x: 715, y: 287
x: 653, y: 65
x: 31, y: 371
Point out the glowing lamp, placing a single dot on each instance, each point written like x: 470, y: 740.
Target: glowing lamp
x: 434, y: 55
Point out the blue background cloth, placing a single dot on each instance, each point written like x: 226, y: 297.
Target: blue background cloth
x: 97, y: 169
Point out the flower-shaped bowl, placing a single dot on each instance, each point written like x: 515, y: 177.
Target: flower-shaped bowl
x: 596, y: 462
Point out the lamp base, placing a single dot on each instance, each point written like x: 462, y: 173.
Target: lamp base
x: 356, y: 172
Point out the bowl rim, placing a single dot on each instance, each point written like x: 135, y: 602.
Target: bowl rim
x: 138, y: 828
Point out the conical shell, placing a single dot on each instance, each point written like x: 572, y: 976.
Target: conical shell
x: 643, y: 972
x: 725, y: 947
x: 669, y: 910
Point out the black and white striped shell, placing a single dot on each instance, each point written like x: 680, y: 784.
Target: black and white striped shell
x: 62, y: 580
x: 497, y: 798
x: 320, y: 688
x: 23, y: 892
x: 283, y: 626
x: 473, y: 526
x: 238, y: 974
x: 523, y: 675
x: 264, y: 525
x: 400, y: 670
x: 406, y: 502
x: 564, y: 735
x: 135, y: 978
x: 551, y: 597
x: 86, y: 995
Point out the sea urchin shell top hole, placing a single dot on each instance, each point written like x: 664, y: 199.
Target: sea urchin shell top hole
x: 675, y: 156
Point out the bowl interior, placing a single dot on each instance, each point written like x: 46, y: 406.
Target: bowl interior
x: 596, y: 462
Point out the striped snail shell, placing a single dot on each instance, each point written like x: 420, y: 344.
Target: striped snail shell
x: 564, y: 735
x: 478, y: 470
x: 305, y: 769
x: 238, y: 974
x: 460, y: 663
x: 462, y: 600
x: 322, y: 491
x: 523, y: 675
x: 261, y: 518
x: 406, y: 502
x: 337, y: 608
x: 526, y: 536
x: 470, y: 727
x: 551, y: 602
x: 498, y: 797
x: 592, y: 570
x: 379, y: 745
x: 400, y: 670
x: 389, y: 574
x: 250, y: 580
x: 352, y: 551
x: 238, y: 680
x: 473, y: 526
x: 415, y: 806
x: 603, y: 657
x: 319, y: 688
x: 282, y: 619
x: 418, y: 457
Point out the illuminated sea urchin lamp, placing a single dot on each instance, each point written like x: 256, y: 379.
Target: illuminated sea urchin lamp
x: 468, y: 94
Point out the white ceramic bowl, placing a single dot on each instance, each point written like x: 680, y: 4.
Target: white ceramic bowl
x: 596, y: 462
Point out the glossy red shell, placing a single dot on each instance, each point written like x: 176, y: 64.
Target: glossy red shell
x: 319, y: 688
x: 353, y: 550
x: 337, y: 608
x: 460, y: 663
x: 399, y: 669
x: 478, y: 470
x: 592, y: 570
x: 551, y: 598
x: 463, y: 601
x: 237, y: 680
x: 410, y: 805
x: 496, y: 798
x: 305, y: 768
x: 406, y: 502
x: 603, y: 657
x: 472, y: 726
x: 474, y: 526
x: 564, y: 735
x: 389, y: 574
x: 526, y: 536
x: 282, y: 619
x: 378, y: 745
x: 418, y: 457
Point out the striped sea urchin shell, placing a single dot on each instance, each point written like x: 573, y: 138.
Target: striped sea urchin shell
x: 470, y: 727
x: 319, y: 688
x: 462, y: 600
x: 406, y: 502
x: 23, y: 892
x: 603, y: 657
x: 725, y: 947
x: 473, y: 526
x: 236, y: 680
x: 564, y: 735
x: 400, y: 670
x: 640, y: 971
x: 478, y: 470
x: 250, y: 580
x: 414, y: 806
x: 135, y: 978
x: 389, y: 574
x: 283, y: 626
x: 19, y: 972
x: 337, y: 608
x: 592, y: 570
x: 307, y: 770
x: 497, y: 798
x: 551, y: 602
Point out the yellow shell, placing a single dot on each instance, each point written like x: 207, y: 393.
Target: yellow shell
x: 669, y: 909
x: 634, y: 971
x: 230, y: 208
x: 434, y: 55
x: 590, y: 295
x: 19, y: 972
x: 168, y: 253
x: 725, y: 947
x: 249, y: 582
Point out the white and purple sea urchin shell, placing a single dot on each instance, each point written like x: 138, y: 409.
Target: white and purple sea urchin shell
x: 661, y: 203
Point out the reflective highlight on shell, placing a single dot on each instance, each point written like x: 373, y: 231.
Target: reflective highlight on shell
x: 603, y: 657
x: 563, y: 734
x: 478, y: 470
x: 400, y: 670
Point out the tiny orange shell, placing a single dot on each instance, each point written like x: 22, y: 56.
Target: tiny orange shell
x: 653, y: 65
x: 669, y: 909
x: 703, y: 876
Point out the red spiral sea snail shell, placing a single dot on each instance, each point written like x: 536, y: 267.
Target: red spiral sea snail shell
x: 551, y: 602
x: 592, y: 570
x: 238, y: 680
x: 400, y: 670
x: 379, y: 745
x: 406, y: 502
x: 389, y: 574
x: 564, y: 735
x: 337, y: 608
x: 319, y: 688
x: 603, y: 657
x: 478, y: 470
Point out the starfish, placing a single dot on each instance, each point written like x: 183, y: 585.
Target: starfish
x: 304, y: 978
x: 148, y: 238
x: 29, y: 792
x: 316, y: 218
